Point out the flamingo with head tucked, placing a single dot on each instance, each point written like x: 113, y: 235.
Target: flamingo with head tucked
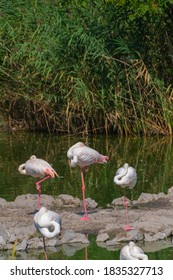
x: 37, y: 167
x: 132, y: 252
x: 44, y: 219
x: 83, y: 156
x: 48, y: 223
x: 126, y: 177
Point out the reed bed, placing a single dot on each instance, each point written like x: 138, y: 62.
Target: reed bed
x: 86, y: 68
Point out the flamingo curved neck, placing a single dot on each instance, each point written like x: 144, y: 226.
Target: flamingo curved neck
x: 47, y: 233
x: 21, y: 169
x: 138, y: 255
x: 118, y: 178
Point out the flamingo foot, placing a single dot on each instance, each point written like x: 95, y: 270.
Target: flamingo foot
x: 84, y: 218
x: 128, y: 227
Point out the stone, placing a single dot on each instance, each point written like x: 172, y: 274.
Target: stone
x: 120, y: 201
x: 91, y: 203
x: 102, y: 237
x: 2, y: 202
x: 30, y: 200
x: 66, y: 200
x: 67, y: 236
x: 22, y: 246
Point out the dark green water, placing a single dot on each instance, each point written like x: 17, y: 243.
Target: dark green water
x: 152, y: 158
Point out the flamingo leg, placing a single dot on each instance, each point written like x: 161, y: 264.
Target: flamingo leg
x: 127, y: 227
x: 84, y: 201
x: 45, y: 251
x: 39, y: 189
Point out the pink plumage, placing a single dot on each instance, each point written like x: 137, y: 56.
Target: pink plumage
x: 81, y: 155
x: 37, y: 167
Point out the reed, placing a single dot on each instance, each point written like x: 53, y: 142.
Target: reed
x: 85, y: 68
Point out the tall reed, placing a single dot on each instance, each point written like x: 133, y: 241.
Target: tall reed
x: 84, y: 68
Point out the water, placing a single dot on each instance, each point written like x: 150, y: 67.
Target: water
x: 152, y: 158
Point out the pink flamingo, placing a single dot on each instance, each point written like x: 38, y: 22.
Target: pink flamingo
x: 83, y: 156
x: 126, y: 177
x: 37, y: 167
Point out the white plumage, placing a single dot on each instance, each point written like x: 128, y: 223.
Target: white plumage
x: 45, y: 219
x: 126, y: 176
x: 132, y: 252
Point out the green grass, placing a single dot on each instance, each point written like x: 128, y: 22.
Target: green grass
x: 81, y: 68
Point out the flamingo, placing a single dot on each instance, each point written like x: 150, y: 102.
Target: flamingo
x: 132, y: 252
x: 126, y: 177
x: 81, y: 155
x: 37, y: 167
x: 45, y: 219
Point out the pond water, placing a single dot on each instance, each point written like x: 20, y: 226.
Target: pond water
x: 152, y: 158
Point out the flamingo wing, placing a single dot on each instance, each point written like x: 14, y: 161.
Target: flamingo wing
x: 38, y: 168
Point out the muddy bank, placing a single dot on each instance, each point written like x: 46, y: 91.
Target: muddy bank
x: 150, y: 216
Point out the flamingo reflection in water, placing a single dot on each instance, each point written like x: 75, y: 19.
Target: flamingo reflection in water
x: 37, y: 167
x: 81, y: 155
x: 126, y: 177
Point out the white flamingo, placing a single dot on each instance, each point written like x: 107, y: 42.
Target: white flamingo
x: 126, y: 177
x: 81, y: 155
x: 37, y: 167
x: 132, y: 252
x: 45, y: 219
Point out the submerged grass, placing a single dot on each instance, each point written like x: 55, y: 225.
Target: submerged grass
x: 81, y: 68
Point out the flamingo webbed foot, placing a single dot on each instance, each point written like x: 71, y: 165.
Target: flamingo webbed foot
x: 84, y: 218
x: 128, y: 227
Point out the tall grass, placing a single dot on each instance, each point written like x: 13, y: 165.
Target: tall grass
x: 83, y: 68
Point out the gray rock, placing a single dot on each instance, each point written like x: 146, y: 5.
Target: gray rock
x: 30, y: 200
x: 22, y: 246
x: 2, y: 202
x: 79, y: 238
x: 4, y: 233
x: 67, y: 236
x: 35, y: 243
x: 120, y: 201
x: 91, y: 203
x: 66, y: 200
x: 102, y: 237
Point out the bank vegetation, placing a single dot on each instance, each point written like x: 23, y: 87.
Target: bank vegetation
x: 87, y: 67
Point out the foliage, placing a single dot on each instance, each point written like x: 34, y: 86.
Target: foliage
x: 88, y: 67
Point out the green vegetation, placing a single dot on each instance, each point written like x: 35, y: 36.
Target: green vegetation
x: 87, y: 66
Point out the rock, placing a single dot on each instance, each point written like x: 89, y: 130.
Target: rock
x: 2, y: 202
x: 102, y: 237
x: 35, y: 243
x: 67, y: 236
x: 4, y: 234
x: 2, y: 241
x: 91, y: 203
x: 148, y: 237
x: 120, y: 201
x: 79, y: 238
x: 70, y: 236
x: 66, y: 200
x: 135, y: 235
x: 159, y: 236
x: 145, y: 198
x: 52, y: 243
x: 22, y: 246
x: 170, y: 192
x: 30, y: 200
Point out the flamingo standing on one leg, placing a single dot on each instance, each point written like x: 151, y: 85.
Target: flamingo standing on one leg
x: 37, y: 167
x: 126, y: 177
x: 132, y: 252
x: 44, y: 219
x: 83, y: 156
